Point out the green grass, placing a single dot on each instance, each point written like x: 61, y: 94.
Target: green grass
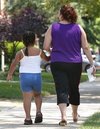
x: 11, y: 90
x: 92, y: 122
x: 46, y: 76
x: 48, y: 89
x: 3, y: 76
x: 84, y: 77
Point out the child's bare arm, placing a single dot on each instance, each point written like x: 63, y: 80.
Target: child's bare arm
x: 13, y: 66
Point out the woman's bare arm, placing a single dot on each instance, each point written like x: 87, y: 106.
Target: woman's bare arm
x: 47, y: 40
x: 85, y: 46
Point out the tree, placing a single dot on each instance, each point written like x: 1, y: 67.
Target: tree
x: 90, y: 6
x: 88, y: 11
x: 27, y: 15
x: 5, y: 27
x: 27, y: 19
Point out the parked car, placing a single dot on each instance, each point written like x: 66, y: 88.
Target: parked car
x: 45, y: 65
x: 85, y: 65
x: 98, y: 57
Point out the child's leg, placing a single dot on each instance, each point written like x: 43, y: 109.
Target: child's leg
x: 27, y: 97
x: 38, y: 101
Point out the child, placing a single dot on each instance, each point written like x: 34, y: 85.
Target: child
x: 30, y: 75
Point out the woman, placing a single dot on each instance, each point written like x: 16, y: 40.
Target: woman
x: 66, y: 38
x: 30, y: 75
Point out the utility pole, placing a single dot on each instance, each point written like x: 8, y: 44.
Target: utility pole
x: 2, y: 52
x: 2, y: 61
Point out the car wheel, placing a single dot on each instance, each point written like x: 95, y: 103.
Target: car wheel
x: 87, y: 67
x: 47, y: 68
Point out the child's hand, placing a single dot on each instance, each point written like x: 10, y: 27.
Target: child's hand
x: 9, y: 77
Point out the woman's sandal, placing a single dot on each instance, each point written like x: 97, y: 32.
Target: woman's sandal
x: 38, y: 118
x: 76, y: 119
x: 63, y: 123
x: 28, y: 122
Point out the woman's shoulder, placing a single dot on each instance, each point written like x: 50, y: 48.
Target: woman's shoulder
x: 54, y: 23
x: 79, y: 25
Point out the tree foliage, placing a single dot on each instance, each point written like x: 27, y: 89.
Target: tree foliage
x: 27, y: 20
x: 88, y: 10
x: 90, y: 13
x: 14, y: 25
x: 90, y: 6
x: 5, y: 29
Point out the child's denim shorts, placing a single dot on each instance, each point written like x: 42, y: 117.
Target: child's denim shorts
x: 30, y: 82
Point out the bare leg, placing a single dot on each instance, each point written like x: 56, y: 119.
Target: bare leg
x: 63, y: 109
x: 27, y: 97
x: 38, y: 101
x: 74, y: 113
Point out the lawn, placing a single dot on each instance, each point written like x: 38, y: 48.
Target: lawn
x: 11, y: 90
x: 93, y: 122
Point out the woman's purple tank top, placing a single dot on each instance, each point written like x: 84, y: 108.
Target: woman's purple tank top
x: 66, y: 43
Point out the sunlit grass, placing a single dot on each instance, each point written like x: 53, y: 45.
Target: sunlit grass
x: 92, y: 122
x: 11, y: 90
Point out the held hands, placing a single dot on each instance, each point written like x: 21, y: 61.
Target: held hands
x: 9, y: 77
x: 45, y: 55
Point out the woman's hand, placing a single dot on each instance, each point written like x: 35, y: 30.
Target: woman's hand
x: 94, y: 70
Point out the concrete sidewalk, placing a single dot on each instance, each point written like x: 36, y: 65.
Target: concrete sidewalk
x: 12, y: 114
